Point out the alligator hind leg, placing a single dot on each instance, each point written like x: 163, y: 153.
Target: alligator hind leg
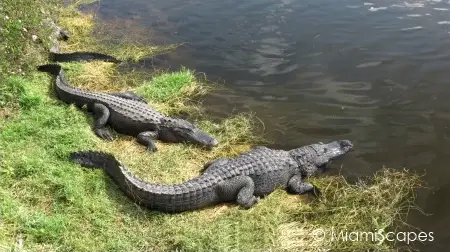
x: 297, y: 185
x: 146, y: 138
x: 101, y: 116
x: 129, y: 95
x: 241, y: 189
x: 209, y: 166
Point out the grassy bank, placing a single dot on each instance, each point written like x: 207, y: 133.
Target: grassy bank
x: 50, y: 204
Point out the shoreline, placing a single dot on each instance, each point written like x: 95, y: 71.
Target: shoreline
x: 50, y: 204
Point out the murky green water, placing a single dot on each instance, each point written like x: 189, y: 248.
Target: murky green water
x: 377, y: 73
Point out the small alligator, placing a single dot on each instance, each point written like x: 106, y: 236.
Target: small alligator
x: 82, y: 56
x: 129, y: 114
x: 242, y: 179
x: 57, y: 56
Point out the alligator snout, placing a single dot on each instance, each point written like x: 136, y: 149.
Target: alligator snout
x: 203, y: 139
x: 338, y: 148
x: 211, y: 142
x: 345, y: 145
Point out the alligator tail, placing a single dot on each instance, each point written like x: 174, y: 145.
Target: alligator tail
x: 52, y: 69
x: 166, y: 198
x: 82, y: 56
x: 94, y: 159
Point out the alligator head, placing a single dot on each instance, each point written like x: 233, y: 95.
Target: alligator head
x: 312, y: 156
x: 178, y: 130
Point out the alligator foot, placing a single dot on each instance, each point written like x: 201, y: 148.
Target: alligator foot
x: 105, y: 134
x: 146, y: 138
x: 251, y: 202
x: 151, y: 147
x: 296, y: 185
x: 130, y: 96
x: 101, y: 114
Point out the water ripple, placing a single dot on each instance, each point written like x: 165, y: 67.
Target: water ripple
x: 377, y: 8
x: 412, y: 28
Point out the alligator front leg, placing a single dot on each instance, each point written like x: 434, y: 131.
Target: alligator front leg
x: 241, y: 189
x: 130, y: 96
x: 297, y: 185
x: 146, y: 138
x: 101, y: 116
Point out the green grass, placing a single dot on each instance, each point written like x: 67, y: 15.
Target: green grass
x: 50, y: 204
x: 19, y: 21
x: 10, y: 92
x: 171, y: 86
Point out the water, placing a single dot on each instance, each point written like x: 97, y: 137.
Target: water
x: 377, y: 73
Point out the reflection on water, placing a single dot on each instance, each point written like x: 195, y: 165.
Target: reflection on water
x: 372, y: 72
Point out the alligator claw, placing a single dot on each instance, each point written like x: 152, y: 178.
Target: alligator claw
x: 251, y: 203
x: 105, y: 134
x: 316, y: 192
x: 255, y: 201
x: 152, y: 148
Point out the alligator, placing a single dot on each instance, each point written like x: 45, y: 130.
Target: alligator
x: 81, y: 56
x: 57, y: 56
x: 243, y: 179
x: 127, y: 113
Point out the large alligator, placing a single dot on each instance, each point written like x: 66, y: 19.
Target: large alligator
x: 242, y: 179
x: 127, y: 113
